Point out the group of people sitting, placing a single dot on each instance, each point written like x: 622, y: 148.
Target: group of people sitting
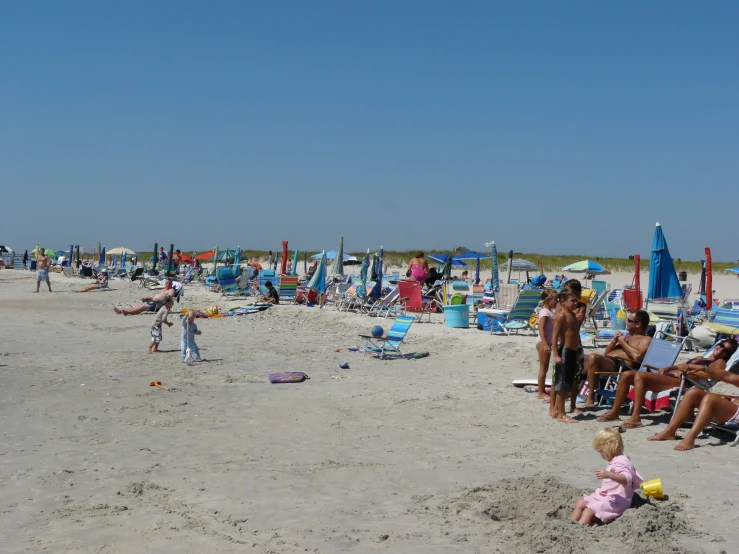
x: 626, y: 351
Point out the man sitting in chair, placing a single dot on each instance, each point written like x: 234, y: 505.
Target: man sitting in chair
x: 622, y: 350
x: 665, y: 379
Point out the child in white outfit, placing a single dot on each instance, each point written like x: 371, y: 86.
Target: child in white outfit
x: 189, y: 330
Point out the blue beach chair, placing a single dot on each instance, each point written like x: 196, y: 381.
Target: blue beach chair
x: 389, y: 344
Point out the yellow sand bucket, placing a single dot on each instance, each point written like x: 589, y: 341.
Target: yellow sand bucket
x: 653, y: 488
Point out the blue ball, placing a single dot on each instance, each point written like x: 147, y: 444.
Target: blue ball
x: 377, y: 331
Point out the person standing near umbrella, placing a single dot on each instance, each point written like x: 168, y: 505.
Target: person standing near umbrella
x: 42, y: 269
x: 419, y: 267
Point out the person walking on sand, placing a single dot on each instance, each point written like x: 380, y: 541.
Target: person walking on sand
x: 156, y: 326
x: 43, y: 262
x: 565, y: 335
x: 187, y: 336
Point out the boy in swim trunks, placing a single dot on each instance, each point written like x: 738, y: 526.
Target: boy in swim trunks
x: 156, y: 326
x: 566, y: 335
x: 42, y: 269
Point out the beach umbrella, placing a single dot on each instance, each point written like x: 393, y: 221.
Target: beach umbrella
x: 60, y: 252
x: 496, y: 279
x: 237, y: 262
x: 446, y: 271
x: 477, y: 256
x: 205, y: 256
x: 71, y: 253
x: 663, y: 282
x: 518, y: 264
x: 444, y: 258
x: 377, y: 289
x: 283, y: 269
x: 362, y: 287
x: 709, y: 281
x: 296, y: 257
x: 702, y: 286
x: 338, y: 267
x: 637, y: 279
x: 318, y: 281
x: 53, y: 255
x: 7, y: 249
x: 586, y: 266
x: 185, y: 258
x: 120, y: 251
x: 733, y: 269
x: 101, y: 261
x: 215, y: 258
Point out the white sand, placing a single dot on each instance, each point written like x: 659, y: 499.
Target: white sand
x: 439, y: 454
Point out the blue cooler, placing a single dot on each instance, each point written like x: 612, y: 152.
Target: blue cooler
x: 457, y: 315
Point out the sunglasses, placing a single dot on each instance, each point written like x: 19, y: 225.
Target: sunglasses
x: 634, y: 321
x: 722, y: 345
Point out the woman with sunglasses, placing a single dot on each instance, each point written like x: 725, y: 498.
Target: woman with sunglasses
x: 711, y: 408
x: 665, y: 379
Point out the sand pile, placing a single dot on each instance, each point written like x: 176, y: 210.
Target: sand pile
x: 531, y: 514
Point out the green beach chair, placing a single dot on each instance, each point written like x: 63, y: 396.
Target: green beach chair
x: 520, y: 315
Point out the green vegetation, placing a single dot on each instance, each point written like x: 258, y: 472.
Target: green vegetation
x: 552, y: 263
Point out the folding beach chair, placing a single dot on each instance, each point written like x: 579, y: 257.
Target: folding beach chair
x: 389, y: 344
x: 520, y: 315
x: 389, y: 305
x: 288, y: 287
x: 227, y: 282
x: 661, y: 353
x: 413, y: 301
x: 594, y: 308
x: 506, y: 297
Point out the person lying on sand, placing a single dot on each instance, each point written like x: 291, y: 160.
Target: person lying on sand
x: 665, y: 379
x: 102, y: 282
x: 619, y: 351
x: 150, y: 303
x: 711, y: 408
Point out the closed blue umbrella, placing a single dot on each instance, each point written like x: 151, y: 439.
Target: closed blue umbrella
x: 362, y: 287
x: 237, y: 262
x: 496, y: 279
x: 296, y: 257
x: 71, y: 253
x: 338, y: 267
x: 318, y: 281
x: 102, y: 257
x: 377, y: 289
x: 663, y: 282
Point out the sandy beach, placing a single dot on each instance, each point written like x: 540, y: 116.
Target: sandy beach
x: 432, y: 455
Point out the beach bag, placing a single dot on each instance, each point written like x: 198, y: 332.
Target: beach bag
x: 288, y: 377
x: 189, y: 355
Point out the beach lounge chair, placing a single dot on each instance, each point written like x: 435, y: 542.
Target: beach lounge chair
x: 520, y: 314
x: 288, y: 287
x: 661, y: 353
x: 390, y: 343
x: 390, y: 305
x: 413, y: 301
x: 725, y: 321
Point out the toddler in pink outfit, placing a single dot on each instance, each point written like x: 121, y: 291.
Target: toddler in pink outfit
x: 620, y: 479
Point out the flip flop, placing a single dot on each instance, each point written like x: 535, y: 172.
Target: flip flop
x: 628, y: 425
x: 603, y: 419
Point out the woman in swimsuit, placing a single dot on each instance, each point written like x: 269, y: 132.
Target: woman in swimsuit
x: 419, y: 267
x: 711, y: 408
x: 665, y: 379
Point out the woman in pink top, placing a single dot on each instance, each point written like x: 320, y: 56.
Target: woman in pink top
x: 544, y: 346
x: 620, y: 479
x: 419, y: 267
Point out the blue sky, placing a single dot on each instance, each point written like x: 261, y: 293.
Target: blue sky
x: 553, y: 127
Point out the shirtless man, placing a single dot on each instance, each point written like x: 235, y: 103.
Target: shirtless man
x: 150, y: 303
x: 631, y: 347
x: 43, y: 262
x: 566, y: 335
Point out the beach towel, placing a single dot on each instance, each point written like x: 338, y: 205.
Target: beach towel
x: 288, y: 377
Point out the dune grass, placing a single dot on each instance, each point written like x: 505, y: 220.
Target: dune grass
x: 552, y: 263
